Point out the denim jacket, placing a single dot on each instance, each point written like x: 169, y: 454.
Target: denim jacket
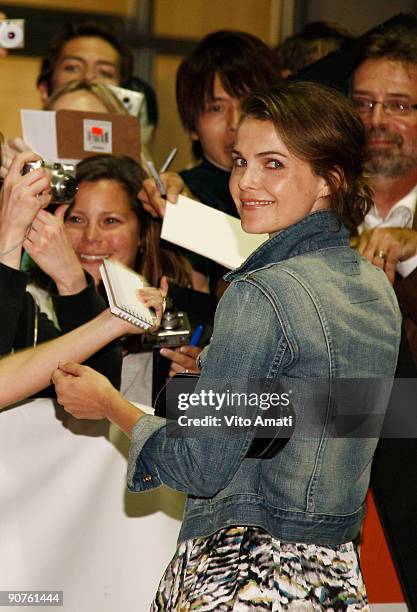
x: 306, y: 306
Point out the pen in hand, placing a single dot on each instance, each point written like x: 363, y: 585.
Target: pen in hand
x: 157, y: 179
x: 168, y: 160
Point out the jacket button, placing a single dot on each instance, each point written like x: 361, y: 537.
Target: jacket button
x: 147, y: 478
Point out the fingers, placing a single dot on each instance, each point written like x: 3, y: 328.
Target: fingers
x: 382, y: 249
x: 182, y: 359
x: 57, y: 375
x: 69, y: 367
x: 153, y: 298
x: 45, y: 230
x: 174, y: 185
x: 151, y: 199
x: 19, y: 160
x: 60, y: 211
x: 164, y: 286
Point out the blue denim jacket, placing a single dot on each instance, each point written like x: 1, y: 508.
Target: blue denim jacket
x: 306, y: 306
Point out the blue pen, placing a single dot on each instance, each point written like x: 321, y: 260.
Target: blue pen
x: 197, y: 333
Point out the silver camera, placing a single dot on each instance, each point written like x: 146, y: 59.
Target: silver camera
x: 12, y: 33
x: 174, y: 329
x: 63, y: 179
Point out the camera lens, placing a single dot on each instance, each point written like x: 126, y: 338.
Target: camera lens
x: 64, y: 189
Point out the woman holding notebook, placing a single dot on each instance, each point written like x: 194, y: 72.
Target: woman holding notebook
x: 274, y: 533
x: 106, y: 220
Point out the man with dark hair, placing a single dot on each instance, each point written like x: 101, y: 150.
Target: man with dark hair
x: 211, y: 82
x: 85, y: 51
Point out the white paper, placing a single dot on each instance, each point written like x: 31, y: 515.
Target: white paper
x: 208, y: 232
x: 39, y: 132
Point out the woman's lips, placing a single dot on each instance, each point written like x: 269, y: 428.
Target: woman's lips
x: 250, y: 204
x: 92, y: 258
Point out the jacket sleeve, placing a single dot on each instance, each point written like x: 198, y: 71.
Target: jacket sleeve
x: 12, y: 306
x: 19, y: 316
x: 75, y: 310
x: 247, y: 344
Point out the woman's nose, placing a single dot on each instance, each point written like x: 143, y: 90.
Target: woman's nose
x: 92, y: 233
x: 249, y: 178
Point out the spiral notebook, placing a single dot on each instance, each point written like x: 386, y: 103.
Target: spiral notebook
x: 121, y: 284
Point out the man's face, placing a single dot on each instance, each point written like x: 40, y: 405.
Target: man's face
x: 87, y: 58
x: 391, y: 141
x: 216, y: 126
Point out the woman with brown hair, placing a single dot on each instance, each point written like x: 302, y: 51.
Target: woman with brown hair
x: 303, y: 311
x: 105, y: 220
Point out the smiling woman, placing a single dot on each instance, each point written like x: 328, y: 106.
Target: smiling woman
x: 274, y: 533
x: 106, y: 219
x: 263, y: 179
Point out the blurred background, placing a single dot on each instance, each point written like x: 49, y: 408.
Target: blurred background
x: 161, y: 32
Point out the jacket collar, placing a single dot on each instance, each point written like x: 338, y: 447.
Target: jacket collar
x: 321, y: 229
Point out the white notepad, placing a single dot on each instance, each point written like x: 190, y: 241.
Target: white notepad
x: 208, y: 232
x: 121, y: 284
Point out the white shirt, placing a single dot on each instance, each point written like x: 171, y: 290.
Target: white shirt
x: 400, y: 215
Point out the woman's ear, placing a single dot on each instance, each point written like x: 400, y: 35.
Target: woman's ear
x: 334, y: 182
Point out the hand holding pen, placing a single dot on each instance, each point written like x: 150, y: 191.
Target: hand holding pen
x: 156, y: 175
x: 170, y: 184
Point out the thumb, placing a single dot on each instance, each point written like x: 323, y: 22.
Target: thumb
x: 164, y: 285
x: 70, y: 367
x: 61, y: 210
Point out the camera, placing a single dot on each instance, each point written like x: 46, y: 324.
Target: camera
x: 12, y: 33
x: 63, y: 179
x: 174, y: 329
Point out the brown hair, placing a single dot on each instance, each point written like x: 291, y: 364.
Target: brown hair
x: 243, y: 63
x: 320, y: 126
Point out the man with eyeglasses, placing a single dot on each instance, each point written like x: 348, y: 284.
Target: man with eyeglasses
x: 384, y: 91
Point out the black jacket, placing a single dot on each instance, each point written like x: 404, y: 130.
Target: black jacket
x: 22, y: 324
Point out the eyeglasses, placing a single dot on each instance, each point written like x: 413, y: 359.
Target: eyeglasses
x: 364, y: 106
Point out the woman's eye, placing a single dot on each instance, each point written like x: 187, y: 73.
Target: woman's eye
x: 239, y: 162
x: 111, y: 220
x: 73, y: 219
x: 274, y: 164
